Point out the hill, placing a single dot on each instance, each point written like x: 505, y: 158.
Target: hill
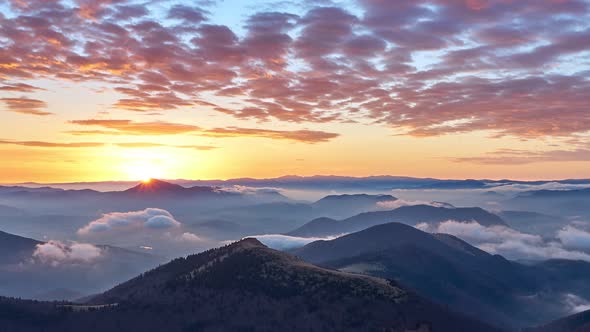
x: 246, y: 286
x: 29, y: 272
x: 349, y: 204
x: 553, y: 202
x: 579, y: 322
x: 410, y: 215
x: 450, y: 271
x: 13, y: 248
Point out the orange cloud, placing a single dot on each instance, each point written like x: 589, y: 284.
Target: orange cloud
x: 135, y: 128
x: 41, y: 144
x: 19, y: 87
x: 304, y: 136
x: 25, y: 106
x: 129, y: 127
x: 155, y: 145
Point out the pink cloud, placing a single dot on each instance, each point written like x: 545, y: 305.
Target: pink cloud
x: 489, y: 64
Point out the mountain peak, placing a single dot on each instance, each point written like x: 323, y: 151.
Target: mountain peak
x: 155, y: 186
x: 248, y: 243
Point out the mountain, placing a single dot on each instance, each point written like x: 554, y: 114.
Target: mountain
x: 9, y: 211
x: 327, y: 183
x: 553, y: 202
x: 283, y: 216
x: 373, y: 183
x: 14, y: 249
x: 411, y: 215
x: 576, y: 193
x: 154, y: 193
x: 451, y: 272
x: 59, y: 294
x: 534, y: 222
x: 579, y: 322
x: 219, y: 229
x: 25, y: 273
x: 458, y: 184
x: 346, y: 205
x: 157, y: 186
x: 244, y: 286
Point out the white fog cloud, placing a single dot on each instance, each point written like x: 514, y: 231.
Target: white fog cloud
x: 285, y: 242
x: 575, y: 303
x: 394, y: 204
x: 189, y: 237
x: 505, y: 241
x: 57, y: 252
x: 573, y: 236
x: 150, y: 218
x: 152, y: 228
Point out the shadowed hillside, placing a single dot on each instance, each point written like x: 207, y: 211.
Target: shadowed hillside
x: 450, y: 271
x: 579, y: 322
x: 247, y: 287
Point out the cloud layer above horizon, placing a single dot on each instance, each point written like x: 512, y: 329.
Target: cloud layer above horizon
x: 429, y: 67
x: 313, y: 72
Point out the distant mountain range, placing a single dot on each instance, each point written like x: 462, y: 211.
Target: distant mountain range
x: 322, y: 182
x: 411, y: 215
x: 243, y: 287
x: 452, y: 272
x: 347, y: 205
x: 533, y: 222
x: 562, y: 202
x: 166, y: 195
x: 251, y: 210
x: 154, y: 186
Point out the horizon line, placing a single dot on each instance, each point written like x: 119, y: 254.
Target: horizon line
x: 295, y: 176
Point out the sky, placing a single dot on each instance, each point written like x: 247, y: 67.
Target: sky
x: 95, y: 90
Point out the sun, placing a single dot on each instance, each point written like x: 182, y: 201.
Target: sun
x: 143, y: 170
x: 146, y: 172
x: 146, y: 165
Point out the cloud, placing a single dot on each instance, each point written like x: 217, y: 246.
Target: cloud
x: 131, y: 127
x: 573, y: 236
x: 391, y: 205
x: 189, y: 237
x: 41, y: 144
x: 521, y: 157
x: 150, y: 218
x: 245, y: 190
x: 150, y: 228
x: 575, y: 303
x: 424, y: 68
x: 305, y: 136
x: 56, y: 253
x: 188, y: 14
x: 19, y: 87
x: 285, y: 242
x: 505, y: 241
x: 25, y: 105
x: 155, y: 145
x: 520, y: 187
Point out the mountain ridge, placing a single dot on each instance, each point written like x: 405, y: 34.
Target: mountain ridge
x: 468, y: 279
x: 411, y: 214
